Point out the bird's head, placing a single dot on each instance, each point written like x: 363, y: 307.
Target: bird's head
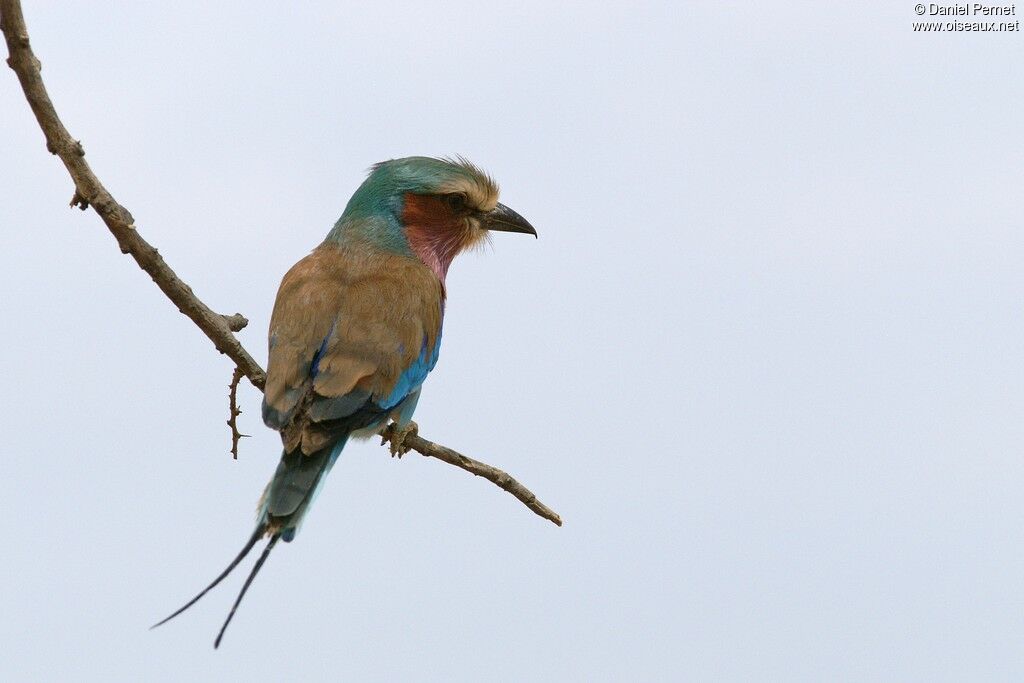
x: 429, y: 208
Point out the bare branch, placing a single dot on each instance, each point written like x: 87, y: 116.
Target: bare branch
x: 480, y: 469
x: 89, y: 191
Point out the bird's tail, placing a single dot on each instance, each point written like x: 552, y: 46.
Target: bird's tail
x: 283, y: 506
x: 294, y: 487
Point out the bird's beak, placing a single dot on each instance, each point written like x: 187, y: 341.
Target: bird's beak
x: 503, y: 219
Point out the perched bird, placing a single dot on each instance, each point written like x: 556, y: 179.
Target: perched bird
x: 356, y: 327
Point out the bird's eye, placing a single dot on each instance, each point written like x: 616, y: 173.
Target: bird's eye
x: 456, y: 201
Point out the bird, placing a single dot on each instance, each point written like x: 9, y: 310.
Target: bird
x: 356, y: 329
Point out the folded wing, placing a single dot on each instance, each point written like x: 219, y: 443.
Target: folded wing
x: 353, y: 333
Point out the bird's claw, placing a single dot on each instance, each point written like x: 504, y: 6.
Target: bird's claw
x: 396, y: 437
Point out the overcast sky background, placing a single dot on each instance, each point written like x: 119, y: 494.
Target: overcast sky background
x: 765, y: 358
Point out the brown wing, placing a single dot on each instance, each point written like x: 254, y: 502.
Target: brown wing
x: 346, y: 323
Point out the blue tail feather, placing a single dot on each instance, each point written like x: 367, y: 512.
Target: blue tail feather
x: 294, y: 487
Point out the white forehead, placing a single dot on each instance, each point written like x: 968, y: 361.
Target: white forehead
x: 480, y: 189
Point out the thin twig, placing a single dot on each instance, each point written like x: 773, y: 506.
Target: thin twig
x: 235, y: 411
x: 89, y: 191
x: 480, y: 469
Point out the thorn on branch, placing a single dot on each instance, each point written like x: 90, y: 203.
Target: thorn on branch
x: 236, y: 436
x: 236, y: 322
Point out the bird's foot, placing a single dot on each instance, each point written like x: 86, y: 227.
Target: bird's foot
x: 396, y: 437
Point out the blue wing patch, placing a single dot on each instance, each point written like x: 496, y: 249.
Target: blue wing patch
x: 413, y: 377
x: 324, y: 408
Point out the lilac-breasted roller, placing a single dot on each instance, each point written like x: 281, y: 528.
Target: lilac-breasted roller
x: 356, y: 327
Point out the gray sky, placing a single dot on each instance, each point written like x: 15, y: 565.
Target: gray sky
x: 765, y: 358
